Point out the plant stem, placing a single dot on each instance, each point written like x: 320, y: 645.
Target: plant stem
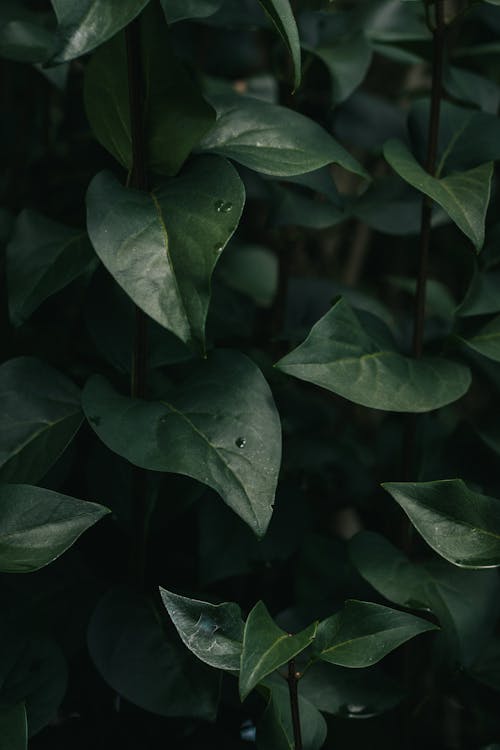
x: 293, y: 687
x: 138, y: 180
x: 439, y: 34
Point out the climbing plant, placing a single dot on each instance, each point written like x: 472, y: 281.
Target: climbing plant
x: 248, y: 460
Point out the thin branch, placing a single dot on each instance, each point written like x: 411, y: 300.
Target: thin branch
x: 293, y: 687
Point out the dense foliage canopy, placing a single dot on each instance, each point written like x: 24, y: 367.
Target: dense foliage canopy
x: 251, y: 325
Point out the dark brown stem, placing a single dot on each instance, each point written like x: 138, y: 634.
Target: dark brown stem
x: 293, y: 687
x: 439, y: 34
x: 138, y: 180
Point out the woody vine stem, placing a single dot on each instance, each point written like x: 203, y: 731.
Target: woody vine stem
x: 293, y: 688
x: 438, y: 27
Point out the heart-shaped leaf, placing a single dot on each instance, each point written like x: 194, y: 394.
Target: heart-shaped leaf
x: 41, y: 413
x: 41, y: 258
x: 176, y: 116
x: 162, y: 247
x: 38, y: 525
x: 272, y: 140
x: 464, y: 196
x: 266, y: 647
x: 363, y: 366
x: 129, y: 647
x: 362, y: 633
x: 213, y: 632
x: 85, y: 24
x: 220, y: 427
x: 460, y: 525
x: 281, y: 14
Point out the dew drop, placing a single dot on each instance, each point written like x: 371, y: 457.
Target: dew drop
x: 219, y: 205
x: 219, y: 246
x: 240, y: 442
x: 227, y: 208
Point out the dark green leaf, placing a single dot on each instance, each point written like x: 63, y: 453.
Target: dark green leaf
x: 42, y: 258
x: 486, y: 341
x: 483, y: 295
x: 293, y: 209
x: 38, y: 525
x: 389, y: 571
x: 281, y: 14
x: 273, y: 140
x: 349, y: 693
x: 275, y: 729
x: 459, y: 524
x: 110, y: 322
x: 131, y: 650
x: 362, y: 633
x: 173, y: 99
x: 13, y: 727
x: 85, y: 24
x: 252, y: 270
x: 221, y: 428
x: 464, y: 196
x: 364, y: 366
x: 213, y: 632
x: 34, y: 672
x: 347, y: 60
x: 25, y: 35
x: 41, y: 414
x: 162, y: 247
x: 180, y: 10
x: 266, y: 647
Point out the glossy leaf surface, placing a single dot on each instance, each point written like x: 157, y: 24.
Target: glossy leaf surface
x: 271, y: 139
x: 42, y: 258
x: 461, y: 525
x: 213, y: 632
x: 464, y: 196
x: 266, y: 647
x: 41, y: 413
x: 162, y: 247
x: 221, y: 428
x: 363, y: 633
x: 363, y: 366
x: 38, y: 525
x: 85, y: 24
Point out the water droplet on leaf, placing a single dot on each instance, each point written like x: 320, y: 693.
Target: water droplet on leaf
x: 218, y: 206
x: 219, y: 247
x: 240, y: 442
